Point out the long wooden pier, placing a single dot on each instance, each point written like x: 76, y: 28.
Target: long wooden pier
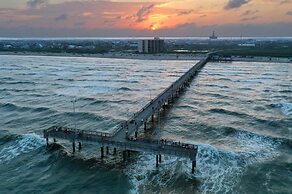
x: 125, y: 137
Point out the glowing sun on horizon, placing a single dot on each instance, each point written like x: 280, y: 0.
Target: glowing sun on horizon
x: 154, y: 27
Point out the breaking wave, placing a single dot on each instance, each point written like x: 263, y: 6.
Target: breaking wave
x: 286, y: 108
x: 23, y: 144
x: 220, y: 171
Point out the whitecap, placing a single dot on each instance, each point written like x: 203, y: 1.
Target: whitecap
x: 286, y: 108
x: 143, y: 174
x: 220, y: 171
x: 23, y: 144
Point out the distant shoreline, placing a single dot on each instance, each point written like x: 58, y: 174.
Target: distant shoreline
x: 162, y: 56
x: 114, y: 55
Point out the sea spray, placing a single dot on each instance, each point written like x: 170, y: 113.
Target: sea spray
x: 145, y: 177
x: 23, y: 144
x: 220, y: 170
x: 255, y: 147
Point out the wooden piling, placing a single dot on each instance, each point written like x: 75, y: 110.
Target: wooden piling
x: 101, y: 152
x: 193, y: 166
x: 129, y: 153
x: 79, y: 146
x: 156, y: 161
x: 73, y: 146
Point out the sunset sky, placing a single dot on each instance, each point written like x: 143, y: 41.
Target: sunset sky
x: 94, y: 18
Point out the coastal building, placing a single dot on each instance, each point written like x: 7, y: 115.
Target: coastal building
x: 155, y: 45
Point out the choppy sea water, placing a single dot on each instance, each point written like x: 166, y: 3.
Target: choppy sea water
x: 239, y: 113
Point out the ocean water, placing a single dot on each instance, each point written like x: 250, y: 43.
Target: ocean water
x: 240, y: 115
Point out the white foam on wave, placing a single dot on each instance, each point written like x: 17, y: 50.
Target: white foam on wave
x: 286, y: 108
x: 144, y: 175
x: 23, y: 144
x: 138, y: 172
x: 220, y: 171
x: 256, y: 147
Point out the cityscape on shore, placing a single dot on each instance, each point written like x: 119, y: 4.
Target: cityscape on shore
x: 266, y: 47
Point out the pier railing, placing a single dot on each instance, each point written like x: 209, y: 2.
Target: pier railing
x: 166, y: 146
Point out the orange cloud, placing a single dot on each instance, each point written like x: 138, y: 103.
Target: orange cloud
x: 144, y: 15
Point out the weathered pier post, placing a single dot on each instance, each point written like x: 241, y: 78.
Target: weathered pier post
x: 73, y: 146
x: 79, y: 146
x: 107, y: 150
x: 47, y: 140
x: 145, y: 125
x: 193, y: 166
x: 159, y: 158
x: 115, y: 151
x: 129, y: 153
x: 101, y: 152
x: 55, y: 140
x: 156, y: 161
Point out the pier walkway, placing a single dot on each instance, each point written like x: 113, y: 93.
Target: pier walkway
x: 125, y: 136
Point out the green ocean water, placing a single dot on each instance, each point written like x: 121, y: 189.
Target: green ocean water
x: 240, y: 115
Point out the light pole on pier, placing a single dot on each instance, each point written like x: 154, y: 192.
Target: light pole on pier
x: 75, y: 128
x: 159, y: 122
x: 74, y: 116
x: 150, y: 95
